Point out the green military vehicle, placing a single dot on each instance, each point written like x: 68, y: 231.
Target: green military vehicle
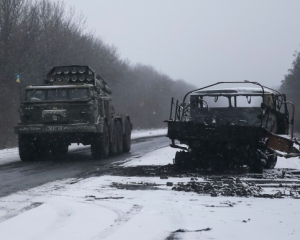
x: 73, y: 106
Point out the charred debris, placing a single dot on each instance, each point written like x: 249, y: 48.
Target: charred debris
x: 232, y: 128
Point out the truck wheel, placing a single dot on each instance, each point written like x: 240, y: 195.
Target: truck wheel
x: 181, y: 159
x: 100, y: 144
x: 258, y: 166
x: 271, y: 161
x: 113, y: 144
x: 127, y: 136
x: 27, y: 148
x: 62, y: 149
x: 119, y: 138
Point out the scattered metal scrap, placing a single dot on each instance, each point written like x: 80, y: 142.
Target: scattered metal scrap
x: 235, y: 187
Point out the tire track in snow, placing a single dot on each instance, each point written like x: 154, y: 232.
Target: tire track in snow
x: 14, y: 213
x: 119, y: 222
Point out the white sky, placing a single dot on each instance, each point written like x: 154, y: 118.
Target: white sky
x: 201, y: 41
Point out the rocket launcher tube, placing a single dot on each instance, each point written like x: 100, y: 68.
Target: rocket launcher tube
x: 103, y: 86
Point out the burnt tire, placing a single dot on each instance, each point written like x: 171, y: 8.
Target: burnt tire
x: 181, y: 159
x: 113, y: 145
x: 127, y: 136
x: 28, y: 148
x: 257, y: 166
x: 62, y: 149
x: 271, y: 161
x: 119, y: 138
x: 100, y: 144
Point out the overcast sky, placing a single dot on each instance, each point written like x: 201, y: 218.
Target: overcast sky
x: 201, y: 41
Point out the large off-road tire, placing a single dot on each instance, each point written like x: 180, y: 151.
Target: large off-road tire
x: 271, y: 161
x: 181, y: 159
x: 61, y: 149
x: 28, y: 148
x: 113, y: 145
x: 127, y: 136
x: 119, y: 138
x: 257, y: 165
x: 100, y: 144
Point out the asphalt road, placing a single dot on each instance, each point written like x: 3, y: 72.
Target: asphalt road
x: 18, y: 176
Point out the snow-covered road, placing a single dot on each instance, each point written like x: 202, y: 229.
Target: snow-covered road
x: 96, y: 208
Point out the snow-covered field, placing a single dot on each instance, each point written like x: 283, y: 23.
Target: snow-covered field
x: 95, y: 208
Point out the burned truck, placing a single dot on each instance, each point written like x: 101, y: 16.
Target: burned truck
x: 72, y: 106
x: 232, y: 128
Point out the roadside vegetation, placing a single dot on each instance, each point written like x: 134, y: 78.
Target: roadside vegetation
x: 37, y: 35
x: 291, y: 86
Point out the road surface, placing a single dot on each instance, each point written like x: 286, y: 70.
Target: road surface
x: 18, y: 176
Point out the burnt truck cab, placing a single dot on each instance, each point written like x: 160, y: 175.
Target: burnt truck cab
x: 230, y: 127
x: 73, y: 106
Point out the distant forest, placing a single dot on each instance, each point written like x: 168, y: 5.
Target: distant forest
x: 38, y: 35
x: 291, y: 87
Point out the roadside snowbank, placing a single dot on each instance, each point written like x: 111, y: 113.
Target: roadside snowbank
x: 93, y: 209
x: 161, y: 156
x: 148, y: 133
x: 97, y: 208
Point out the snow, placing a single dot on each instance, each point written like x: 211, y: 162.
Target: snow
x: 148, y: 133
x: 230, y: 91
x: 288, y: 162
x: 94, y: 209
x: 159, y: 157
x: 67, y: 213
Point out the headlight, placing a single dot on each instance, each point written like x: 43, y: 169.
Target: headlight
x: 81, y: 78
x: 59, y: 79
x: 89, y: 78
x: 51, y: 79
x: 74, y: 79
x: 74, y: 70
x: 67, y: 78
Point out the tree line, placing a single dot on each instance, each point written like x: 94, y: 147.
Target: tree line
x: 38, y: 35
x: 290, y: 85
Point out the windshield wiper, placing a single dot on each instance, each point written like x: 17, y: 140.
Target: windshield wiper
x: 30, y: 93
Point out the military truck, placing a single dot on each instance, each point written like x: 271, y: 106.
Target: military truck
x: 232, y: 128
x: 72, y: 106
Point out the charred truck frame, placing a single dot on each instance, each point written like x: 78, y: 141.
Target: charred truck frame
x: 73, y: 106
x: 232, y: 128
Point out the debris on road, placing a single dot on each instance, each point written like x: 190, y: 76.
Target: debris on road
x: 231, y: 184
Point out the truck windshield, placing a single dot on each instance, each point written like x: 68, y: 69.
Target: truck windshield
x: 78, y: 94
x: 36, y: 95
x: 226, y: 101
x: 59, y: 94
